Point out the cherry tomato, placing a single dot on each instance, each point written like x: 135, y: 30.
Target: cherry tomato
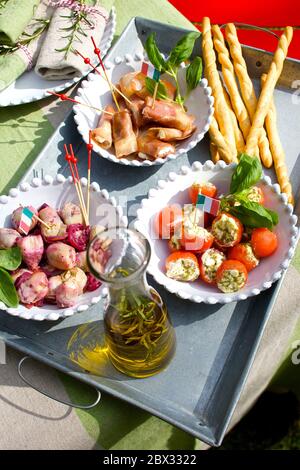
x: 243, y: 252
x: 166, y: 221
x: 226, y: 281
x: 227, y: 230
x: 196, y: 239
x: 182, y: 266
x: 264, y: 242
x: 207, y: 189
x: 208, y: 270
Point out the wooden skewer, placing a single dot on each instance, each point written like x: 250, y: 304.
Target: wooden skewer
x: 63, y: 97
x: 42, y: 222
x: 97, y: 52
x: 88, y: 61
x: 74, y: 161
x: 69, y: 159
x: 89, y: 148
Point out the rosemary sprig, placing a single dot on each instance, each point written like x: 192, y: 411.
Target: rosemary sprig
x: 26, y: 38
x: 3, y: 3
x: 74, y: 31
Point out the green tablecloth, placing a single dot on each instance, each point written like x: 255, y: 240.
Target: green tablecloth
x: 24, y: 130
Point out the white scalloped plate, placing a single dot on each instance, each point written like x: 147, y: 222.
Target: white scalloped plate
x: 30, y: 87
x: 95, y: 91
x: 175, y: 190
x: 56, y: 192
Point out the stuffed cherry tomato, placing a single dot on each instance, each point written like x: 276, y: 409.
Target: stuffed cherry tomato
x: 166, y: 221
x: 227, y: 230
x: 182, y: 266
x: 231, y: 276
x: 264, y: 242
x: 255, y: 194
x: 174, y: 244
x: 210, y: 262
x: 196, y: 239
x: 207, y: 189
x: 243, y: 252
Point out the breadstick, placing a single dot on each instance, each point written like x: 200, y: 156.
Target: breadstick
x: 247, y: 89
x: 218, y: 139
x: 229, y: 78
x: 215, y: 156
x: 239, y: 139
x: 268, y: 89
x: 211, y: 72
x: 277, y: 149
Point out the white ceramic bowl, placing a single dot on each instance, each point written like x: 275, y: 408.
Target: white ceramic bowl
x: 95, y: 91
x: 56, y: 192
x: 31, y: 87
x: 175, y: 190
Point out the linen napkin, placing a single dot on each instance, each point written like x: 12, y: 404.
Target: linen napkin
x: 15, y: 64
x: 53, y: 64
x: 14, y: 17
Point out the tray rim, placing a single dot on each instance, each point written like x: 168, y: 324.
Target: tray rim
x: 209, y: 437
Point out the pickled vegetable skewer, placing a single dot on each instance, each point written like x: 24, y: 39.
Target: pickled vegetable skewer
x: 74, y: 161
x: 89, y: 149
x: 63, y: 97
x: 69, y: 159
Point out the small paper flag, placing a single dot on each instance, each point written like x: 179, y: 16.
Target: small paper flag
x: 26, y: 219
x: 150, y: 71
x: 208, y: 204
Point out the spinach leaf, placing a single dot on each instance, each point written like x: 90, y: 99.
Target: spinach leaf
x: 11, y: 258
x: 8, y: 293
x: 194, y: 73
x: 161, y: 90
x: 154, y: 54
x: 254, y: 215
x: 246, y: 174
x: 183, y: 49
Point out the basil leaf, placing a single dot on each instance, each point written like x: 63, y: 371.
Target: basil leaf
x: 154, y: 54
x: 8, y: 293
x: 183, y: 49
x: 11, y: 258
x: 273, y: 215
x: 194, y: 73
x: 246, y: 174
x: 253, y: 215
x: 161, y: 90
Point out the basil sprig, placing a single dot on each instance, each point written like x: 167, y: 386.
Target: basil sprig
x: 161, y: 90
x: 180, y: 53
x: 194, y: 73
x: 247, y: 173
x: 252, y: 214
x: 154, y: 54
x: 8, y: 293
x: 11, y: 258
x: 183, y: 49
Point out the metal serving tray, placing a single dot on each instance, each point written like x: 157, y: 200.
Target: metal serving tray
x: 216, y: 344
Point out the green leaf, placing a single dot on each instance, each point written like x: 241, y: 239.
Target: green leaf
x: 8, y: 293
x: 154, y: 54
x: 194, y: 73
x: 273, y: 215
x: 183, y: 49
x: 246, y: 174
x: 254, y: 215
x: 10, y: 258
x: 161, y: 90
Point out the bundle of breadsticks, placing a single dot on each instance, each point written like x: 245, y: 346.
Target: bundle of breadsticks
x: 242, y: 122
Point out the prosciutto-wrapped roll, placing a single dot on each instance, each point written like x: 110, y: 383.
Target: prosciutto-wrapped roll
x: 57, y: 229
x: 149, y: 145
x: 136, y: 107
x: 102, y: 135
x: 134, y: 83
x: 8, y: 237
x: 168, y: 134
x: 168, y: 114
x: 123, y: 135
x: 32, y: 249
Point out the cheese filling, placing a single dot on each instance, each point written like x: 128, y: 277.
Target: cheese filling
x: 183, y: 270
x: 225, y: 230
x: 212, y: 260
x: 250, y: 255
x: 254, y: 194
x: 232, y: 281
